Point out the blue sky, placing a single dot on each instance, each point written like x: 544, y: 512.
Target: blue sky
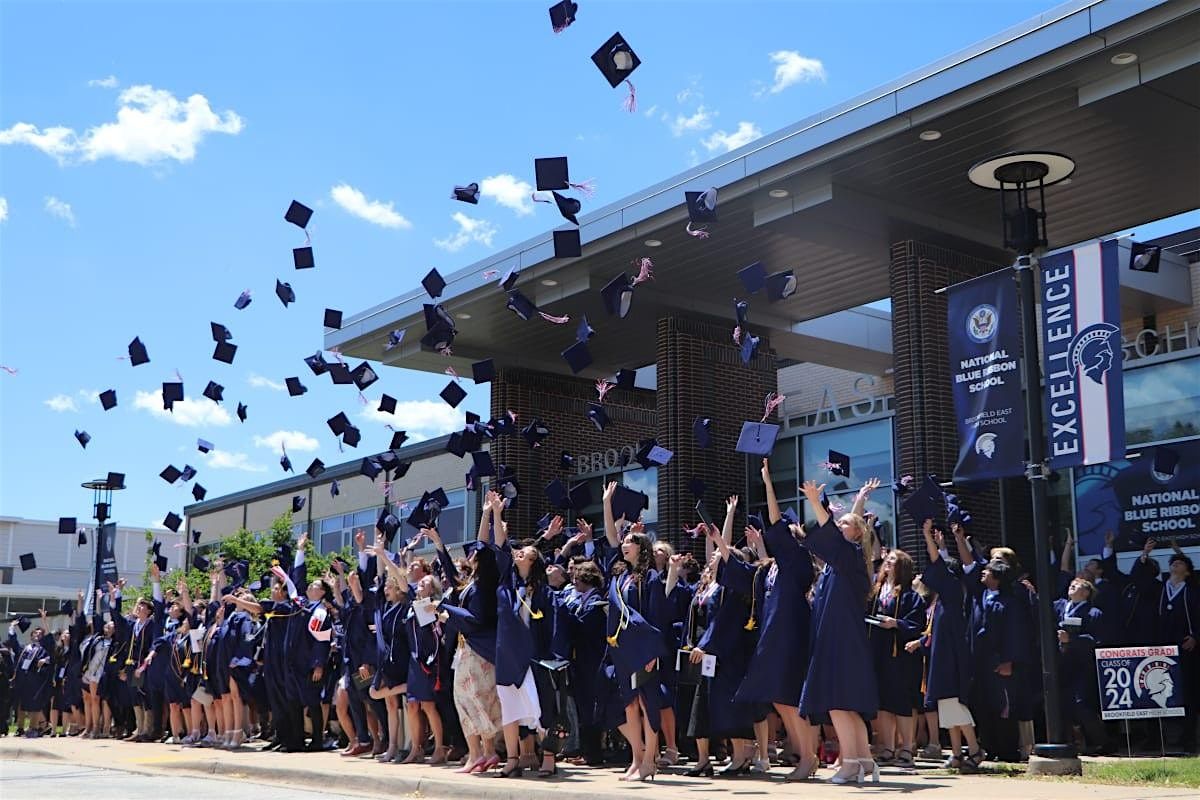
x: 149, y: 150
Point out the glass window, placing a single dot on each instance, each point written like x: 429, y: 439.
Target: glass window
x: 1162, y: 401
x: 367, y: 517
x: 331, y: 542
x: 27, y: 605
x: 331, y: 524
x: 869, y: 446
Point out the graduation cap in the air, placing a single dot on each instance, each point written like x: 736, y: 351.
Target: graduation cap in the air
x: 285, y: 463
x: 781, y: 285
x: 628, y: 504
x: 466, y: 194
x: 1144, y: 257
x: 196, y: 536
x: 398, y: 440
x: 757, y: 438
x: 434, y: 284
x: 170, y: 474
x: 922, y: 503
x: 566, y: 460
x: 482, y: 465
x: 839, y: 463
x: 333, y: 318
x: 556, y: 493
x: 214, y: 391
x: 137, y: 353
x: 568, y: 207
x: 578, y: 357
x: 67, y: 607
x: 317, y: 363
x: 188, y: 473
x: 626, y: 378
x: 753, y: 277
x: 562, y: 15
x: 198, y: 492
x: 284, y: 292
x: 108, y: 399
x: 453, y: 394
x: 455, y: 444
x: 749, y: 347
x: 83, y: 437
x: 339, y: 373
x: 172, y: 393
x: 315, y: 468
x: 81, y: 538
x: 701, y: 206
x: 22, y: 623
x: 394, y: 338
x: 162, y: 563
x: 352, y: 436
x: 294, y: 387
x: 741, y: 310
x: 696, y: 487
x: 584, y: 331
x: 297, y: 503
x: 115, y: 480
x: 551, y: 174
x: 702, y: 431
x: 387, y: 404
x: 510, y: 279
x: 616, y: 60
x: 388, y: 524
x: 242, y: 301
x: 241, y: 411
x: 520, y: 305
x: 567, y: 244
x: 172, y: 521
x: 483, y: 371
x: 650, y: 454
x: 200, y: 562
x: 302, y: 258
x: 370, y: 468
x: 334, y: 489
x: 67, y: 525
x: 955, y: 513
x: 224, y: 352
x: 298, y: 214
x: 535, y: 432
x: 507, y: 485
x: 618, y: 296
x: 237, y: 571
x: 363, y: 376
x: 219, y: 332
x: 1166, y: 462
x: 598, y: 416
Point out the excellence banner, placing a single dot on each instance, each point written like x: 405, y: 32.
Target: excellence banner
x: 985, y: 347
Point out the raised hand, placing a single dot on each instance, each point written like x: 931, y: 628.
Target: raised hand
x: 1109, y: 539
x: 871, y: 485
x: 677, y: 561
x: 302, y: 541
x: 731, y: 504
x: 360, y: 539
x: 155, y: 576
x: 585, y: 529
x: 556, y: 526
x: 638, y: 527
x: 754, y: 536
x: 765, y: 471
x: 1148, y: 546
x: 609, y: 490
x: 812, y: 492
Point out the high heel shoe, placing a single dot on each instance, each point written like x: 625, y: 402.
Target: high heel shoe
x: 515, y: 772
x: 483, y: 765
x: 548, y: 773
x: 867, y: 766
x: 648, y: 776
x: 669, y: 758
x: 732, y: 772
x: 850, y: 770
x: 802, y: 772
x: 704, y: 770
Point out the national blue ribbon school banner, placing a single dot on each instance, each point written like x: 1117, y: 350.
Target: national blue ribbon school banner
x: 1139, y: 682
x: 985, y: 344
x: 1081, y: 352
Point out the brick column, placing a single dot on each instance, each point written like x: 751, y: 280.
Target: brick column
x: 700, y: 374
x: 926, y: 436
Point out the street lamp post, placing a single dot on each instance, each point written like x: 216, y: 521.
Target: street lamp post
x: 102, y: 489
x: 1016, y: 176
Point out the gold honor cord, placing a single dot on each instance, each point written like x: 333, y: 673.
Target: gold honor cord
x: 623, y: 622
x: 752, y: 623
x: 532, y: 614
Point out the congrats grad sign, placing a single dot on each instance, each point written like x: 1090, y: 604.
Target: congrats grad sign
x: 985, y: 343
x: 1081, y: 347
x: 1139, y: 682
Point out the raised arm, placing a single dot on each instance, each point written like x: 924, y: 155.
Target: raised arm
x: 773, y: 514
x: 185, y: 597
x: 812, y: 493
x: 1067, y: 562
x: 499, y: 530
x: 931, y: 547
x: 610, y: 524
x: 673, y: 568
x: 965, y: 553
x: 253, y: 606
x: 485, y: 518
x: 864, y: 492
x: 730, y: 509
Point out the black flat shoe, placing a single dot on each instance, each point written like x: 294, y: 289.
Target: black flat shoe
x: 516, y: 772
x: 705, y: 771
x: 733, y: 772
x: 548, y: 773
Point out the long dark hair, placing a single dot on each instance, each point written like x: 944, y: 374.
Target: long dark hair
x: 645, y: 555
x: 537, y: 571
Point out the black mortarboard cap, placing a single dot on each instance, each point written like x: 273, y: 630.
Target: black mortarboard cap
x: 388, y: 523
x: 317, y: 363
x: 198, y: 492
x: 598, y: 416
x: 702, y: 206
x: 352, y: 436
x: 434, y: 284
x: 387, y: 404
x: 369, y: 467
x: 568, y: 207
x: 467, y: 194
x: 556, y: 493
x: 472, y: 441
x: 334, y: 489
x: 483, y: 465
x: 566, y: 460
x: 584, y: 331
x: 616, y: 60
x: 172, y: 393
x: 1165, y: 461
x: 398, y: 440
x: 757, y: 438
x: 188, y: 473
x: 219, y: 332
x: 535, y: 432
x: 439, y: 338
x: 196, y: 536
x: 578, y: 357
x: 1144, y: 257
x: 781, y: 285
x: 628, y: 503
x: 200, y: 562
x: 453, y: 394
x: 115, y: 480
x: 696, y: 487
x: 285, y: 463
x: 23, y: 623
x: 302, y: 258
x: 651, y: 454
x: 297, y: 503
x: 581, y: 496
x: 214, y: 391
x: 753, y: 277
x: 702, y: 431
x: 170, y: 474
x: 67, y: 607
x: 242, y: 301
x: 315, y: 468
x: 333, y: 318
x: 550, y: 174
x: 840, y: 462
x: 749, y: 347
x: 137, y: 352
x: 108, y: 399
x: 204, y: 446
x: 364, y: 376
x: 923, y: 502
x: 741, y: 310
x: 172, y: 521
x: 224, y: 352
x: 483, y: 371
x: 626, y: 378
x: 81, y: 539
x: 67, y: 525
x: 241, y: 411
x: 339, y: 373
x: 618, y: 296
x: 298, y: 214
x: 510, y: 279
x: 162, y: 563
x: 455, y: 444
x: 567, y: 244
x: 520, y: 305
x: 562, y: 15
x: 83, y: 437
x: 295, y: 387
x: 955, y: 513
x: 284, y: 292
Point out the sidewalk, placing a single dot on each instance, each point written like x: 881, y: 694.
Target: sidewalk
x: 326, y: 770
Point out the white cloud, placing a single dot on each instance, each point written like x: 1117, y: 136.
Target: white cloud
x: 701, y: 120
x: 469, y: 230
x: 110, y: 82
x: 224, y: 459
x: 720, y: 141
x: 3, y: 208
x: 421, y: 419
x: 509, y: 192
x: 375, y: 212
x: 57, y: 208
x: 259, y: 382
x: 61, y: 403
x: 152, y: 125
x: 651, y: 111
x: 189, y: 413
x: 792, y: 68
x: 292, y: 440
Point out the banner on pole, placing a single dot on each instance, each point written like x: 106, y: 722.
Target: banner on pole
x: 985, y: 344
x: 1081, y: 352
x: 108, y: 559
x: 1139, y: 682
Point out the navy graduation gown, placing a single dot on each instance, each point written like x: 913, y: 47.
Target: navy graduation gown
x: 949, y: 670
x: 391, y: 646
x: 1076, y: 658
x: 32, y: 678
x: 840, y: 674
x: 633, y: 644
x: 999, y: 637
x: 586, y: 623
x: 518, y: 643
x: 898, y: 671
x: 725, y: 636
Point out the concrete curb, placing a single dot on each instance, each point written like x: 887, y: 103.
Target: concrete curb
x: 31, y: 753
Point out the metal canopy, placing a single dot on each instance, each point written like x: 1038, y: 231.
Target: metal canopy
x: 857, y: 178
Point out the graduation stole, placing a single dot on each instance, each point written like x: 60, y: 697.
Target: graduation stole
x: 525, y: 604
x: 752, y: 623
x: 623, y: 621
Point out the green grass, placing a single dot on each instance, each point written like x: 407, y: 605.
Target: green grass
x: 1169, y: 772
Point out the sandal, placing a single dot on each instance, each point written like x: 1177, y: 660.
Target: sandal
x: 904, y: 758
x: 885, y: 757
x: 973, y: 760
x: 953, y: 762
x: 669, y: 758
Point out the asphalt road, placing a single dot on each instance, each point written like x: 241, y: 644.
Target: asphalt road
x: 29, y: 780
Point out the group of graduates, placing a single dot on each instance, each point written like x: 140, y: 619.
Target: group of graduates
x: 571, y: 647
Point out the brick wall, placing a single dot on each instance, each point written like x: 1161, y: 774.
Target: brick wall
x: 700, y: 374
x: 561, y: 402
x: 926, y: 438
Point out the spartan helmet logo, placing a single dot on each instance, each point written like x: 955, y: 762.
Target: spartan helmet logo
x: 1091, y: 351
x: 985, y: 445
x: 1153, y: 678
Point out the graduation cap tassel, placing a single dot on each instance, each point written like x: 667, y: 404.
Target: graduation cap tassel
x: 603, y: 387
x: 451, y: 372
x: 586, y: 188
x: 700, y: 232
x: 774, y: 400
x: 645, y: 270
x: 563, y: 320
x: 12, y: 370
x: 362, y: 398
x: 630, y: 101
x: 489, y: 274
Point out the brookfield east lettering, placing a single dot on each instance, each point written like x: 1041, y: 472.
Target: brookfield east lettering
x: 1058, y: 311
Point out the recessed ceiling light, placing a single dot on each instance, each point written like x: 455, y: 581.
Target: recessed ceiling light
x: 549, y: 282
x: 778, y: 193
x: 1121, y: 59
x: 930, y: 135
x: 463, y: 316
x: 652, y: 243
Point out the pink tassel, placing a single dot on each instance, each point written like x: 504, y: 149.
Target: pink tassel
x: 737, y: 335
x: 12, y: 371
x: 450, y: 371
x: 630, y: 103
x: 563, y: 320
x: 603, y: 387
x: 645, y: 271
x: 387, y: 489
x: 446, y: 351
x: 489, y: 274
x: 337, y: 354
x: 534, y: 198
x: 362, y: 398
x: 774, y: 401
x: 699, y: 233
x: 906, y: 481
x: 587, y: 188
x: 835, y: 507
x: 828, y: 466
x: 511, y: 415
